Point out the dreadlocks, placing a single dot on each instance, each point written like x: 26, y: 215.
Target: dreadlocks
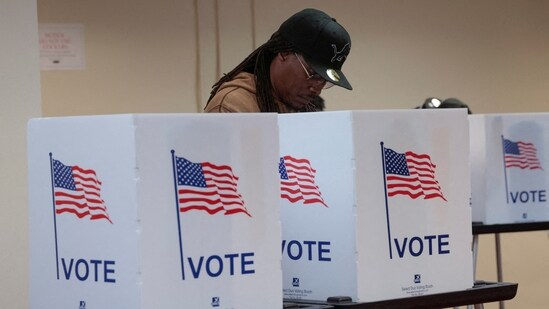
x: 259, y: 64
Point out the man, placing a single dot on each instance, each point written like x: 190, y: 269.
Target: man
x: 288, y: 72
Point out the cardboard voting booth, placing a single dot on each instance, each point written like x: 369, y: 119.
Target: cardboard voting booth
x: 154, y: 211
x: 375, y: 204
x: 509, y: 167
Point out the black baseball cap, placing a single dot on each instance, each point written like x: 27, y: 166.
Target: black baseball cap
x: 322, y: 41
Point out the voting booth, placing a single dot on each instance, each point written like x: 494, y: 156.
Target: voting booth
x: 154, y: 211
x: 375, y: 204
x: 509, y: 167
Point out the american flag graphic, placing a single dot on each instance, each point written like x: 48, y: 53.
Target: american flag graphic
x: 520, y: 154
x: 78, y: 191
x: 207, y: 187
x: 411, y: 174
x: 297, y: 180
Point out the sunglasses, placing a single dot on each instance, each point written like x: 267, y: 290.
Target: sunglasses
x: 314, y: 78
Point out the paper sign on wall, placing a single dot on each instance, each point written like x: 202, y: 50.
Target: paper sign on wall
x: 61, y: 46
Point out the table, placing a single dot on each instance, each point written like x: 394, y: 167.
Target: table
x: 481, y: 292
x: 496, y: 229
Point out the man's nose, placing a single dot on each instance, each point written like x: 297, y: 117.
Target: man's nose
x: 317, y: 88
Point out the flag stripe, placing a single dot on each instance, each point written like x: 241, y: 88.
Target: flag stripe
x: 188, y: 194
x: 197, y: 206
x: 73, y: 211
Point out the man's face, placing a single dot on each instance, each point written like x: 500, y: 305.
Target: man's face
x: 294, y: 82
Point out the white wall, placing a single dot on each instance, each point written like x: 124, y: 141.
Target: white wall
x: 140, y: 58
x: 164, y: 56
x: 19, y: 101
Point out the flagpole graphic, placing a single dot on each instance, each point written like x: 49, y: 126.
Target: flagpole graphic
x: 505, y: 169
x: 174, y: 167
x: 54, y: 215
x: 386, y: 201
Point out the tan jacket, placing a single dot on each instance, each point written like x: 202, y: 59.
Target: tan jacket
x: 239, y: 96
